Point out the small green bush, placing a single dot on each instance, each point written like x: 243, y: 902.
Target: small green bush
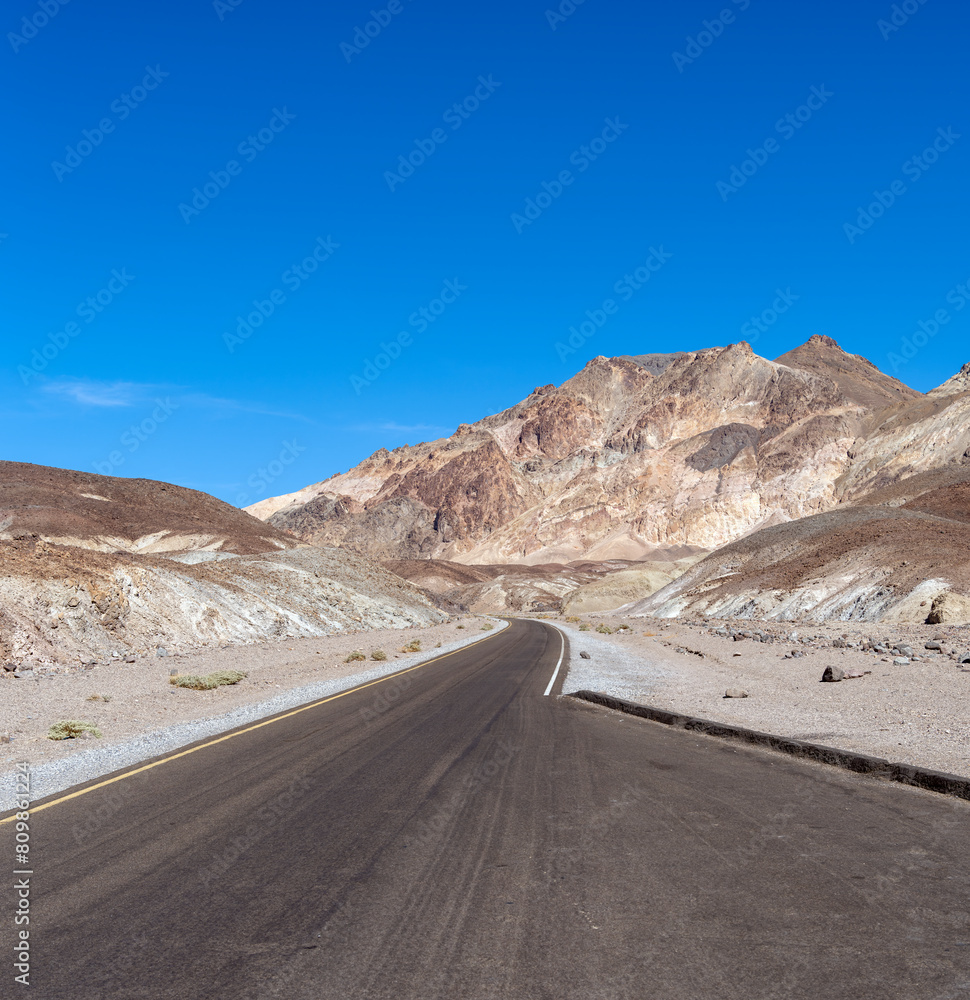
x: 487, y: 626
x: 355, y: 655
x: 98, y: 697
x: 414, y: 646
x: 69, y: 729
x: 209, y: 681
x: 378, y: 654
x: 459, y: 626
x: 605, y: 629
x: 584, y: 627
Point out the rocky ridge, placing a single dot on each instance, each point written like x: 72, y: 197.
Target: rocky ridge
x: 616, y: 463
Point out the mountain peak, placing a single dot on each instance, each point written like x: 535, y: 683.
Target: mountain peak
x: 857, y: 378
x: 958, y: 383
x: 820, y: 340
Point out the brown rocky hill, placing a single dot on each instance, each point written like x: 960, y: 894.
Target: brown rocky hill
x: 92, y: 565
x: 629, y: 459
x: 901, y: 554
x: 64, y: 605
x: 124, y: 515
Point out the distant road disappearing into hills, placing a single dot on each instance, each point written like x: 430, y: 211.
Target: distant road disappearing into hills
x: 453, y: 833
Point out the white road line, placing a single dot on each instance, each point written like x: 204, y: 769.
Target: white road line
x: 555, y: 673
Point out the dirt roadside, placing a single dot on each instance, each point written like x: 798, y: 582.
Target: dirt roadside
x: 915, y: 713
x: 141, y: 699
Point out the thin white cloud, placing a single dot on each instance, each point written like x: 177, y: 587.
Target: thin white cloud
x: 91, y: 393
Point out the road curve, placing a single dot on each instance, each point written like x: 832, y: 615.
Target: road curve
x: 452, y: 833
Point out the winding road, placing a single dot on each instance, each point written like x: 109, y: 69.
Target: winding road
x: 452, y: 832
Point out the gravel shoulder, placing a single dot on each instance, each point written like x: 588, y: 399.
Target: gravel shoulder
x: 145, y: 715
x: 913, y: 713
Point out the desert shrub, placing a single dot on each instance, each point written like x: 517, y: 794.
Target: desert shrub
x: 459, y: 626
x: 355, y: 655
x: 98, y: 697
x: 573, y: 618
x: 207, y: 682
x: 69, y: 729
x: 487, y: 626
x: 414, y: 646
x: 584, y: 627
x: 605, y: 629
x: 378, y: 654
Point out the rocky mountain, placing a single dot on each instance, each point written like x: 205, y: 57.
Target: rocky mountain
x: 578, y: 587
x: 111, y: 514
x: 629, y: 459
x: 901, y: 554
x: 93, y: 565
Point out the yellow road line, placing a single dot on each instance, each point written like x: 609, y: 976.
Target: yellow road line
x: 248, y: 729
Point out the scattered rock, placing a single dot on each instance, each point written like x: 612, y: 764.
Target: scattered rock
x: 832, y: 674
x: 585, y: 655
x: 73, y: 602
x: 161, y: 651
x: 129, y: 659
x: 933, y: 644
x: 852, y: 674
x: 4, y: 737
x: 735, y: 693
x: 903, y: 649
x: 10, y: 667
x: 901, y: 661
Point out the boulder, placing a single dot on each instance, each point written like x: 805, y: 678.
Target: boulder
x: 832, y: 674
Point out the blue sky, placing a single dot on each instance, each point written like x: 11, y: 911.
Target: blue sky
x: 243, y: 209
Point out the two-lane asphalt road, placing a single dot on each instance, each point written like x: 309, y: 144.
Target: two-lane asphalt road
x: 453, y: 833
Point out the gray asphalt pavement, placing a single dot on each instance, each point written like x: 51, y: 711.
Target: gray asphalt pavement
x: 452, y: 833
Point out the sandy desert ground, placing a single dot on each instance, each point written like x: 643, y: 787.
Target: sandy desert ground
x: 915, y: 713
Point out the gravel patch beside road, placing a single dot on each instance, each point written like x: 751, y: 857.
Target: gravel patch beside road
x: 912, y: 712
